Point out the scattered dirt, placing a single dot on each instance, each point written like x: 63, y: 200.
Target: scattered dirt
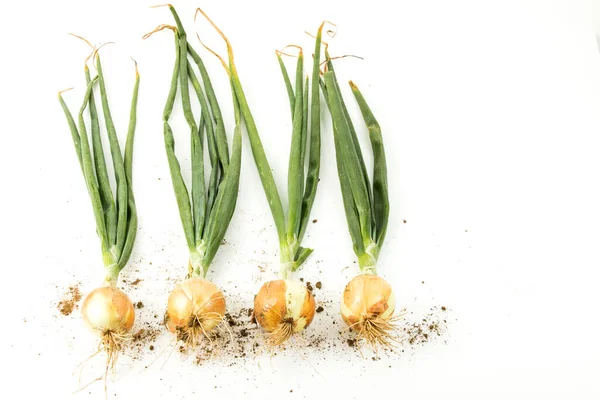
x: 144, y: 338
x: 70, y: 300
x: 309, y: 286
x: 319, y: 285
x: 431, y: 326
x: 404, y: 221
x: 320, y: 309
x: 136, y: 282
x: 315, y: 221
x: 236, y: 339
x: 139, y: 304
x: 145, y: 334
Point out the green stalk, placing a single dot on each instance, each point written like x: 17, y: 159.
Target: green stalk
x: 258, y: 151
x: 220, y: 135
x: 181, y: 192
x: 367, y: 209
x: 288, y: 83
x: 381, y: 203
x: 212, y: 213
x: 295, y: 168
x: 106, y: 196
x: 348, y: 200
x: 132, y: 212
x: 349, y: 157
x: 292, y: 254
x: 314, y: 158
x: 117, y: 158
x: 198, y: 193
x: 227, y: 195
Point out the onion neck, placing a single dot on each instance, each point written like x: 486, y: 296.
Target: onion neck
x: 197, y: 264
x: 111, y: 267
x: 367, y: 261
x: 286, y: 259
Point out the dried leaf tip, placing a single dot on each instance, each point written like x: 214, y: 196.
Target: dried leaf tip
x: 137, y: 72
x: 161, y: 5
x: 95, y: 53
x: 282, y: 52
x: 158, y: 29
x: 219, y: 31
x: 352, y: 85
x: 82, y: 38
x: 64, y: 90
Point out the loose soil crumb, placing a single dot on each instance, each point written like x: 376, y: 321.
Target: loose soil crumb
x: 144, y: 338
x: 430, y: 327
x: 319, y: 285
x: 309, y: 286
x: 315, y: 221
x: 135, y: 283
x: 69, y: 301
x: 320, y: 309
x: 139, y: 304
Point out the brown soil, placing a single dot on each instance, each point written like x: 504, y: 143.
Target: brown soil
x: 319, y: 285
x: 70, y: 300
x: 430, y: 327
x: 144, y: 339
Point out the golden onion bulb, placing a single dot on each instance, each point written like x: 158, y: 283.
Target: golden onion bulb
x: 194, y: 308
x: 108, y: 309
x: 282, y: 308
x: 367, y: 307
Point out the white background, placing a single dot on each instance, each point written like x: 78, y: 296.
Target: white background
x: 490, y: 112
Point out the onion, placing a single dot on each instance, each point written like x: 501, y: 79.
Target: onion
x: 108, y: 309
x: 282, y: 308
x: 195, y: 307
x: 367, y: 307
x: 108, y: 313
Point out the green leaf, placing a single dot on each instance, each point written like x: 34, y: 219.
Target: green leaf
x: 288, y: 83
x: 314, y: 156
x: 349, y: 158
x: 381, y: 204
x: 197, y: 148
x: 88, y: 171
x: 132, y: 223
x: 295, y: 168
x: 117, y: 159
x: 181, y: 192
x: 106, y: 195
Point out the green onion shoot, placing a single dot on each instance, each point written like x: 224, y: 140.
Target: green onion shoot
x: 368, y: 302
x: 284, y: 307
x: 107, y: 311
x: 197, y: 306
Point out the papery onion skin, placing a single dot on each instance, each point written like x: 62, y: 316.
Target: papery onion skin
x: 108, y: 309
x: 367, y: 297
x: 284, y: 301
x: 198, y: 298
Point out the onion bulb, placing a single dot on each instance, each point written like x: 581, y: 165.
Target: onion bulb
x: 108, y: 313
x: 195, y: 307
x: 367, y: 307
x: 282, y: 308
